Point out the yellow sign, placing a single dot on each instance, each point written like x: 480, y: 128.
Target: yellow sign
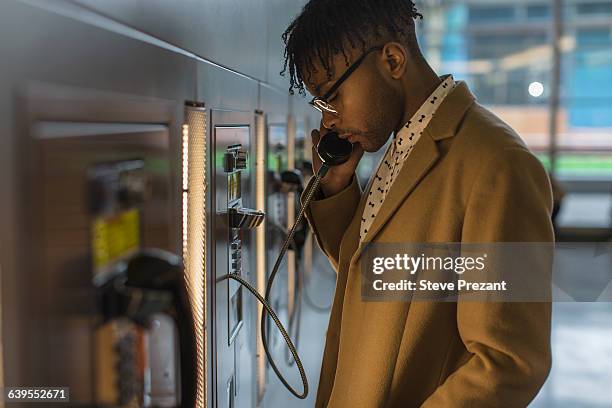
x: 114, y: 237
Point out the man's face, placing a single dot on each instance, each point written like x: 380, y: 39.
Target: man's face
x: 368, y: 107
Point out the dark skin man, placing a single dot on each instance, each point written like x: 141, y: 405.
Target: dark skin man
x: 379, y: 97
x: 453, y: 172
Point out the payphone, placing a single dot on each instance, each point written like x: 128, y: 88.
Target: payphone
x: 232, y: 223
x: 144, y: 345
x: 107, y: 314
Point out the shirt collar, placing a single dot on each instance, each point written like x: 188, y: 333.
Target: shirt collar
x: 423, y: 115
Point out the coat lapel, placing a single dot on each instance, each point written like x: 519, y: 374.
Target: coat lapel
x: 416, y: 166
x: 420, y: 161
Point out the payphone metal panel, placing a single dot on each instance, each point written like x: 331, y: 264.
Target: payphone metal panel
x: 232, y: 251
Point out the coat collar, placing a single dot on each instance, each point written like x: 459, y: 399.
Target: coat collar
x: 449, y: 114
x: 443, y: 125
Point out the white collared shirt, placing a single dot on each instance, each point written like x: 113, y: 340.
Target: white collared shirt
x: 399, y: 150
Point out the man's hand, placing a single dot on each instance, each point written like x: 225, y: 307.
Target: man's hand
x: 337, y: 177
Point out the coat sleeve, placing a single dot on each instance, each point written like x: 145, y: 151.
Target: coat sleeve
x: 509, y: 342
x: 330, y: 217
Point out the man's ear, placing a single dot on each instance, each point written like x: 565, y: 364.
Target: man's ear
x: 395, y: 58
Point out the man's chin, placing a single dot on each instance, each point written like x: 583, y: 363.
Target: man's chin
x: 369, y: 147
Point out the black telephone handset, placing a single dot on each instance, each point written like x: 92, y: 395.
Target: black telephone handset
x: 332, y: 150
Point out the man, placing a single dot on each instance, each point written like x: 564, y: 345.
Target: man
x: 453, y: 172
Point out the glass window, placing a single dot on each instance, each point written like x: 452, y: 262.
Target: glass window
x: 488, y: 14
x: 594, y: 8
x: 585, y: 134
x: 539, y: 11
x: 509, y: 67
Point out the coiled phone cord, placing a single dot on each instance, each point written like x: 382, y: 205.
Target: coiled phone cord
x: 313, y: 188
x: 283, y: 331
x: 265, y: 301
x: 295, y: 319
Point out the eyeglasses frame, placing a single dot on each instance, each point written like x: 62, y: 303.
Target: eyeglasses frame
x: 343, y: 77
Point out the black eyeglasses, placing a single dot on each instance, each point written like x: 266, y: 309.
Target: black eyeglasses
x: 321, y: 103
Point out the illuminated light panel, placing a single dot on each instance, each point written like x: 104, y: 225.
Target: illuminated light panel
x: 194, y: 232
x: 185, y: 157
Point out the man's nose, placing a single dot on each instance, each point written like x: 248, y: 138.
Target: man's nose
x: 330, y: 120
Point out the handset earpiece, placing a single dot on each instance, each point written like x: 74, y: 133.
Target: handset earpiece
x: 332, y: 150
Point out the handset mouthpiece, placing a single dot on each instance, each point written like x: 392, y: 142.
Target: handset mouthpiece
x: 333, y: 150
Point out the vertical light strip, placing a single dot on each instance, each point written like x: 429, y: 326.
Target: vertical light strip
x: 185, y: 173
x: 260, y: 242
x: 194, y: 232
x: 291, y: 130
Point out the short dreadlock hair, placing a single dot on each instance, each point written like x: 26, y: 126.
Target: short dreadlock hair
x: 328, y: 27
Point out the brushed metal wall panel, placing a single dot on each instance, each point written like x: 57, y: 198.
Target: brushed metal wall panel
x: 244, y: 35
x: 62, y: 50
x: 228, y: 32
x: 222, y: 89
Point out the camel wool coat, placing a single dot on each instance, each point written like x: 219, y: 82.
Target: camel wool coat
x: 470, y: 178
